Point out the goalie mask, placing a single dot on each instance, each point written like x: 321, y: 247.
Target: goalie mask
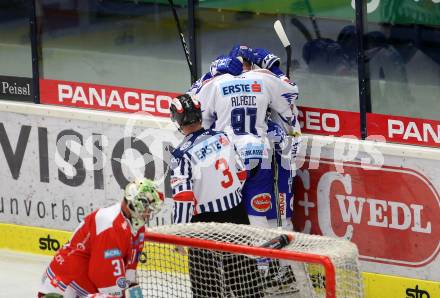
x: 185, y: 110
x: 143, y: 201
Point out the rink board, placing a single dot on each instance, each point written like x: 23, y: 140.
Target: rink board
x: 29, y: 239
x: 47, y: 242
x: 397, y: 231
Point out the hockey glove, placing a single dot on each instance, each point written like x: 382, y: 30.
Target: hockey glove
x: 225, y: 64
x: 241, y: 51
x: 264, y: 59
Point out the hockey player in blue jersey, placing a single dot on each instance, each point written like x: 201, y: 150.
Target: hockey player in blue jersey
x: 256, y: 108
x: 245, y: 117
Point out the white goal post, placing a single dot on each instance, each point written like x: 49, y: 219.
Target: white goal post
x: 227, y: 260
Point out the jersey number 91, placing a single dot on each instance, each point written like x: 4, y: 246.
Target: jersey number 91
x: 238, y: 120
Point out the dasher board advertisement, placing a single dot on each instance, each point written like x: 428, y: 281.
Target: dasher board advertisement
x: 383, y: 197
x: 58, y: 164
x: 405, y: 130
x: 16, y: 88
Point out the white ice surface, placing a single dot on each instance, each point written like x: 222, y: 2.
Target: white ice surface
x: 20, y: 273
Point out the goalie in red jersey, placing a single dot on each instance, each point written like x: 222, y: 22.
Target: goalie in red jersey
x: 102, y: 255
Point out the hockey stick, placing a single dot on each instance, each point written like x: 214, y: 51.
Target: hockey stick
x: 301, y: 28
x: 286, y: 44
x: 278, y: 242
x: 182, y: 39
x: 276, y: 190
x: 313, y: 19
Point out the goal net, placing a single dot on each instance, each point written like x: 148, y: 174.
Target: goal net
x: 228, y: 260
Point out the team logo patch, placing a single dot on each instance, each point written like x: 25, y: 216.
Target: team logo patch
x: 123, y: 283
x: 256, y: 87
x: 261, y: 202
x: 241, y: 87
x: 254, y: 150
x: 290, y: 97
x: 112, y: 253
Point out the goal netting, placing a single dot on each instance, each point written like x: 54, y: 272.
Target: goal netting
x: 227, y: 260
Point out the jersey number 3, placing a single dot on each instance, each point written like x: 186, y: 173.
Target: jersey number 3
x: 222, y: 165
x: 117, y: 266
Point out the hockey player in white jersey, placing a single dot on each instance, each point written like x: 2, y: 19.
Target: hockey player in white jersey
x: 206, y: 179
x: 239, y: 105
x: 242, y: 101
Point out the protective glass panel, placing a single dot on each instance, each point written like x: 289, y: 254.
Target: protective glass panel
x: 15, y: 51
x: 321, y: 33
x: 404, y: 54
x: 113, y: 42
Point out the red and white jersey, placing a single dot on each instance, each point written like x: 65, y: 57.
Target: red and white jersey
x: 101, y: 256
x: 242, y: 102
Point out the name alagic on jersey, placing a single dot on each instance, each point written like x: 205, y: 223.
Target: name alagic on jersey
x: 244, y: 87
x: 241, y: 102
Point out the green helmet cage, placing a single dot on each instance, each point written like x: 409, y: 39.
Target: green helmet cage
x: 141, y: 195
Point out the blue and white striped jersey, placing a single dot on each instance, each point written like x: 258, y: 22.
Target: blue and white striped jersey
x: 206, y: 173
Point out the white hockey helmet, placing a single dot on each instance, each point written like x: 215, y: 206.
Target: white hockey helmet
x: 143, y: 201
